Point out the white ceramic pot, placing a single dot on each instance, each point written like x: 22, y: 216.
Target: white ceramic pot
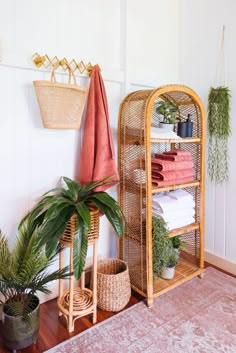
x: 167, y: 272
x: 167, y: 126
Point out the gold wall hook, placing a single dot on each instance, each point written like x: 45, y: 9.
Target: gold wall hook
x: 38, y: 60
x: 73, y: 65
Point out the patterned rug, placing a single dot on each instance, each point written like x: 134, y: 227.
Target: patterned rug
x: 197, y: 317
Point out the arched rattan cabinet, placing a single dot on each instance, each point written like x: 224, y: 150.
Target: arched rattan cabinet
x: 137, y: 114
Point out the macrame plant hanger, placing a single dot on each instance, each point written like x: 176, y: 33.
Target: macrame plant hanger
x: 219, y: 123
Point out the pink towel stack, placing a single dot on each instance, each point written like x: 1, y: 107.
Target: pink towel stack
x: 174, y: 167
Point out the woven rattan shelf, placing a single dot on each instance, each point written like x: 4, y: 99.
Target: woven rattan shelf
x: 136, y: 146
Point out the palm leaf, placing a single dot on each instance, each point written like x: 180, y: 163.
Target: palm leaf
x: 80, y: 248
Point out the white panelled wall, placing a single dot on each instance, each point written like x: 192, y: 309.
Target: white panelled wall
x: 137, y: 44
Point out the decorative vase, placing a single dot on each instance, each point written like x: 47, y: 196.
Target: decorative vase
x: 167, y: 272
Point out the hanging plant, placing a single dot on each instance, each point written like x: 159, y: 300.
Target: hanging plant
x: 219, y: 132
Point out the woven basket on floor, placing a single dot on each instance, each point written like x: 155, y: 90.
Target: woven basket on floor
x: 61, y: 104
x: 113, y: 285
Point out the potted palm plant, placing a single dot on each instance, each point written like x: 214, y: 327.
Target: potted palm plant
x: 24, y: 271
x: 55, y: 209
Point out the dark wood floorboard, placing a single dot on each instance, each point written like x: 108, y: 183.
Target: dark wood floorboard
x: 53, y: 329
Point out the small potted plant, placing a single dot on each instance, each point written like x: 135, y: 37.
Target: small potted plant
x: 170, y: 259
x: 55, y: 209
x: 170, y: 114
x: 24, y: 270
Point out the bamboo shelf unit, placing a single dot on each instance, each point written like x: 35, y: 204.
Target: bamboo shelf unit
x: 136, y: 147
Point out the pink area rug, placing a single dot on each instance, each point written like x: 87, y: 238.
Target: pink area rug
x: 197, y: 317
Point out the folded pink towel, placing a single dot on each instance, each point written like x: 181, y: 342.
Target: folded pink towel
x: 173, y: 175
x: 165, y: 165
x: 173, y: 157
x: 161, y: 183
x: 179, y: 152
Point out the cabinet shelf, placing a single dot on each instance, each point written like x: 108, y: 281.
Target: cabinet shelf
x: 184, y: 271
x: 183, y: 140
x: 139, y: 140
x: 135, y: 187
x: 186, y: 229
x: 136, y: 146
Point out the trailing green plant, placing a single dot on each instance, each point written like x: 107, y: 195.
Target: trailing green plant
x: 219, y: 132
x: 25, y: 270
x: 57, y: 206
x: 169, y: 110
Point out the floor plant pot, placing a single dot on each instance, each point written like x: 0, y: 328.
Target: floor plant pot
x: 167, y: 272
x: 19, y: 333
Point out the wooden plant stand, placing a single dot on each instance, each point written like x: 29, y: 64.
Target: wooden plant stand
x: 74, y: 303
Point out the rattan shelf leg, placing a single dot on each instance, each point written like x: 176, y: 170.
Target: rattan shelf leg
x: 82, y: 280
x: 95, y: 282
x: 71, y: 292
x: 150, y: 302
x: 61, y: 287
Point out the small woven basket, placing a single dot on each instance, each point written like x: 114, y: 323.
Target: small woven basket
x: 61, y: 104
x: 113, y: 285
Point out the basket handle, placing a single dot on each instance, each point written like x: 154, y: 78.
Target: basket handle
x: 71, y: 73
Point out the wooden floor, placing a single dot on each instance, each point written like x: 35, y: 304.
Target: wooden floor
x: 53, y: 329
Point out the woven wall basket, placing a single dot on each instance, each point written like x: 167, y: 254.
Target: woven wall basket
x: 61, y: 104
x: 113, y: 285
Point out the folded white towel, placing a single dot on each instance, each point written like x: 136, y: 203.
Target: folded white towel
x: 180, y: 194
x: 173, y: 216
x: 157, y: 132
x: 168, y: 204
x: 180, y: 223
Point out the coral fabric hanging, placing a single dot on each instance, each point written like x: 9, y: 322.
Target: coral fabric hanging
x: 97, y: 160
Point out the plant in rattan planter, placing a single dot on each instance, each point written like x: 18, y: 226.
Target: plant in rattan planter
x: 113, y: 285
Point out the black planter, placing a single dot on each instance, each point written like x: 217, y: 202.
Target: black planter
x: 19, y: 333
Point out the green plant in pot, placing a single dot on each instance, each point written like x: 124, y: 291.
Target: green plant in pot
x: 55, y: 209
x: 165, y: 250
x: 169, y: 260
x: 170, y: 114
x: 24, y: 271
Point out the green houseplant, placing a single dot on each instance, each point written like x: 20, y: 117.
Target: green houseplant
x: 24, y: 271
x: 170, y: 259
x: 57, y: 206
x: 169, y: 111
x: 165, y: 249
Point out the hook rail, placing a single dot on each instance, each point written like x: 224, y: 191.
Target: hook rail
x: 46, y: 62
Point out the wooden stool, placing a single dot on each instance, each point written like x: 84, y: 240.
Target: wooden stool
x: 77, y: 302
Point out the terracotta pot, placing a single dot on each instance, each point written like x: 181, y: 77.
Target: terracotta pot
x: 19, y: 333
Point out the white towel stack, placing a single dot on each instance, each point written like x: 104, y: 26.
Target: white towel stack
x: 177, y: 208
